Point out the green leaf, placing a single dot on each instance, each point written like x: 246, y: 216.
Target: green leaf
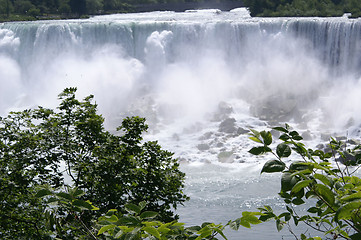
x: 287, y: 181
x: 111, y: 218
x: 267, y: 137
x: 284, y: 137
x: 324, y: 179
x: 234, y: 226
x: 325, y: 193
x: 300, y: 185
x: 132, y: 208
x: 259, y: 150
x: 356, y: 236
x: 42, y: 193
x: 252, y: 219
x: 345, y: 212
x: 281, y: 129
x: 266, y: 216
x: 351, y: 197
x: 314, y: 210
x: 273, y: 166
x: 245, y: 223
x: 255, y: 139
x: 279, y: 225
x: 220, y: 232
x: 77, y: 192
x: 148, y: 214
x: 295, y: 136
x: 82, y: 204
x: 194, y: 229
x: 152, y: 231
x: 283, y: 150
x: 299, y: 166
x: 130, y: 220
x: 65, y: 196
x: 298, y: 201
x: 142, y: 205
x: 106, y: 228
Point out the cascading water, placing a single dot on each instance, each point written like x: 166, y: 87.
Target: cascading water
x: 201, y: 78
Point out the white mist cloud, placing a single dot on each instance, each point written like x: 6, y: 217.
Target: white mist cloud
x: 10, y: 84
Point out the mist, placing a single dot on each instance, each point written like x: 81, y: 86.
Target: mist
x: 178, y: 71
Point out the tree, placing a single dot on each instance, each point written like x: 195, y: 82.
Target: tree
x: 78, y: 7
x: 70, y: 147
x: 23, y: 6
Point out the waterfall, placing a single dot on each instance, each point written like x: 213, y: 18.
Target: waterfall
x: 202, y: 79
x: 182, y: 70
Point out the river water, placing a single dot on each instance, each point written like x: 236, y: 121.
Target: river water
x: 202, y: 79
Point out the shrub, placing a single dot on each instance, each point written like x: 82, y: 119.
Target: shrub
x: 70, y: 147
x: 326, y: 180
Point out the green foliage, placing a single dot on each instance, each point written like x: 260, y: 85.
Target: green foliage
x: 326, y: 181
x: 305, y: 8
x: 65, y: 212
x: 69, y: 147
x: 11, y: 10
x: 138, y: 224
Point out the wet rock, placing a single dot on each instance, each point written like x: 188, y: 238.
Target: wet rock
x: 320, y: 146
x: 219, y: 144
x: 226, y: 157
x: 203, y: 147
x: 206, y: 136
x: 228, y: 126
x: 306, y: 136
x: 353, y: 142
x: 241, y: 131
x: 341, y: 138
x: 325, y: 136
x: 276, y: 108
x: 348, y: 159
x: 223, y: 111
x: 324, y: 147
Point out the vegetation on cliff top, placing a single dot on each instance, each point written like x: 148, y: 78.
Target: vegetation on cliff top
x: 15, y: 10
x: 304, y: 8
x: 11, y: 10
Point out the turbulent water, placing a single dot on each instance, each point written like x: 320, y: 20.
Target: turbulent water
x: 202, y: 79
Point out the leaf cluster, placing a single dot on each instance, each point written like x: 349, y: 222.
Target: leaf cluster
x: 138, y: 224
x: 327, y: 177
x: 69, y: 147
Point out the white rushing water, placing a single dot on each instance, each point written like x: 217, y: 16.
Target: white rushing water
x: 202, y: 79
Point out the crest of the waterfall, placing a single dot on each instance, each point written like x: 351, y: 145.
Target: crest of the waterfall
x: 181, y: 67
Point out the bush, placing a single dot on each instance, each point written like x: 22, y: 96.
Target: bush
x: 69, y: 147
x: 325, y: 180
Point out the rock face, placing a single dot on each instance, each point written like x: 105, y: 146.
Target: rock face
x: 203, y: 147
x: 223, y: 112
x: 226, y: 157
x: 228, y: 126
x: 275, y: 108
